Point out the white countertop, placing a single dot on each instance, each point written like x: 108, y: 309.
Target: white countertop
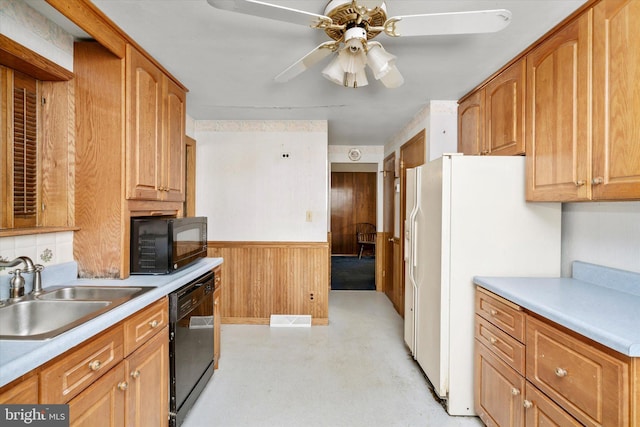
x: 598, y: 302
x: 17, y: 357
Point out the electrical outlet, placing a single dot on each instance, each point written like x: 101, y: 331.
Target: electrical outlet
x: 286, y: 155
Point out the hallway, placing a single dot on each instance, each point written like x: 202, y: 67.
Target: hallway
x: 354, y: 372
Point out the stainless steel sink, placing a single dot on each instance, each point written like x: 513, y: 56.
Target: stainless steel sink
x: 60, y: 309
x: 35, y: 319
x: 92, y: 293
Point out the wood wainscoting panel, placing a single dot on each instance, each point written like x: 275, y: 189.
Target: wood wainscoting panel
x: 265, y: 278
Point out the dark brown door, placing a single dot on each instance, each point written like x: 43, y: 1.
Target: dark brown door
x: 389, y: 207
x: 353, y: 200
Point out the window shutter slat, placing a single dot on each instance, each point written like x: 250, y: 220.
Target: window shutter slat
x: 25, y: 153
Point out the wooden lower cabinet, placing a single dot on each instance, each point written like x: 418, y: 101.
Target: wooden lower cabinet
x: 102, y: 403
x: 541, y: 411
x: 103, y: 384
x: 23, y: 391
x: 147, y: 370
x: 569, y: 381
x: 498, y: 390
x: 216, y: 327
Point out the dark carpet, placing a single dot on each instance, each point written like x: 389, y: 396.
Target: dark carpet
x: 348, y: 273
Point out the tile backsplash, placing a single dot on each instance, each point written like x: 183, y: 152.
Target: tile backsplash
x: 46, y: 249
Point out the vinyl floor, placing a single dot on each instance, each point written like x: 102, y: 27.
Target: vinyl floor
x: 354, y: 372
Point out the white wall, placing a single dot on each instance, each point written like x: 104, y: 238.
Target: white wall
x: 249, y: 192
x: 606, y: 233
x: 31, y: 29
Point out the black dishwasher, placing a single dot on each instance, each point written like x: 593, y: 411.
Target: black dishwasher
x: 190, y: 344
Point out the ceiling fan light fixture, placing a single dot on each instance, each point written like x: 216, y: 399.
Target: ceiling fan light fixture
x: 379, y: 60
x: 334, y: 71
x: 383, y: 65
x: 393, y: 78
x: 352, y: 62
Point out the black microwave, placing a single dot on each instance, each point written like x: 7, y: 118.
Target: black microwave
x: 161, y: 245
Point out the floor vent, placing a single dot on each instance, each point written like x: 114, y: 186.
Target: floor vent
x: 289, y: 320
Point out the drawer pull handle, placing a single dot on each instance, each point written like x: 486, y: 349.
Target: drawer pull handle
x: 597, y: 180
x: 515, y: 391
x: 561, y: 372
x: 95, y: 365
x: 527, y: 404
x: 493, y: 312
x: 493, y: 340
x: 135, y: 374
x: 154, y: 324
x: 123, y: 386
x: 580, y: 183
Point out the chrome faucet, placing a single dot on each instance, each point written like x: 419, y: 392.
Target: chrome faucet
x: 17, y: 281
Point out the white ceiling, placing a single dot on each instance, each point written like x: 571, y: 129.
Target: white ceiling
x: 228, y: 61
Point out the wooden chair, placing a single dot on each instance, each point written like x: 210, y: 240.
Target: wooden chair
x: 365, y: 235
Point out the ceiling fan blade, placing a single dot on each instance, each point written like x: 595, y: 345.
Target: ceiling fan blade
x: 272, y: 11
x: 481, y: 21
x: 308, y: 61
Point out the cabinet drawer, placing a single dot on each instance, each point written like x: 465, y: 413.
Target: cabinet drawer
x: 502, y: 313
x: 504, y: 346
x: 145, y: 324
x: 499, y: 390
x: 81, y: 366
x: 589, y: 383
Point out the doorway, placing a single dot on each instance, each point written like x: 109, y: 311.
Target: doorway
x: 353, y: 203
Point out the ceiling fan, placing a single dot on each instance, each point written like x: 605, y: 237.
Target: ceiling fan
x: 352, y: 24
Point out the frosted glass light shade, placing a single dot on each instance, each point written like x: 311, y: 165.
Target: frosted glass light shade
x: 352, y: 61
x: 334, y: 71
x: 380, y: 61
x: 393, y: 78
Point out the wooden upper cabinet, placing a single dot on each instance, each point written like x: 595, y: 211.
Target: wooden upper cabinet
x: 144, y: 133
x: 504, y: 111
x: 173, y: 141
x: 557, y: 115
x: 491, y: 119
x: 616, y: 100
x: 155, y: 132
x: 471, y: 124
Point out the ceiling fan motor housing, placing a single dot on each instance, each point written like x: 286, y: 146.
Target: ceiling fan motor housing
x: 349, y: 14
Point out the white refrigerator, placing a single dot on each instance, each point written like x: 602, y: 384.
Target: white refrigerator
x: 467, y: 216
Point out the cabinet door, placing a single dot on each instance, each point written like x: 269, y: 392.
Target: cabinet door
x: 499, y: 390
x: 144, y: 138
x: 557, y: 117
x: 24, y: 392
x: 216, y: 327
x: 616, y: 100
x: 471, y: 124
x: 103, y: 403
x: 504, y: 109
x: 173, y: 166
x: 541, y: 411
x: 148, y: 376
